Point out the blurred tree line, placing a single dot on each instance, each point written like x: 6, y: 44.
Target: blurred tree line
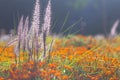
x: 89, y: 16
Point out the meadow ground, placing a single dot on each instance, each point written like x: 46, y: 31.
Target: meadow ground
x: 74, y: 57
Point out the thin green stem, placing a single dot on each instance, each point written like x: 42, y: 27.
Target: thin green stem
x: 66, y: 18
x: 70, y: 27
x: 54, y: 25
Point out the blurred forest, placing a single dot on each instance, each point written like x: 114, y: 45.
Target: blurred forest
x: 90, y: 16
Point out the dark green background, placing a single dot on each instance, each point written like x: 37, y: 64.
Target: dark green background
x: 97, y: 16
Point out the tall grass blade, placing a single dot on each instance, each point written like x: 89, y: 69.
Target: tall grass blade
x: 66, y: 18
x: 70, y: 27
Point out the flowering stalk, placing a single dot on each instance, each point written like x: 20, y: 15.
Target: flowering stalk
x: 46, y: 26
x: 36, y: 19
x: 47, y: 18
x: 29, y: 49
x: 114, y: 28
x: 34, y: 31
x: 20, y: 29
x: 25, y: 34
x: 29, y: 39
x: 44, y: 42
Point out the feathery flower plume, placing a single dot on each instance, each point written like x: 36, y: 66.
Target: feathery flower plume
x: 47, y: 18
x: 34, y: 30
x: 114, y: 28
x: 26, y: 26
x: 29, y: 39
x: 12, y: 42
x: 36, y: 19
x: 24, y: 34
x: 18, y: 39
x: 20, y: 30
x: 20, y: 27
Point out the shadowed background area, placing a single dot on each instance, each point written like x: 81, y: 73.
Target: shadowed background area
x: 91, y: 16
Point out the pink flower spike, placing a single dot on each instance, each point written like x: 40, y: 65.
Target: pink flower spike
x: 36, y: 18
x: 47, y: 18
